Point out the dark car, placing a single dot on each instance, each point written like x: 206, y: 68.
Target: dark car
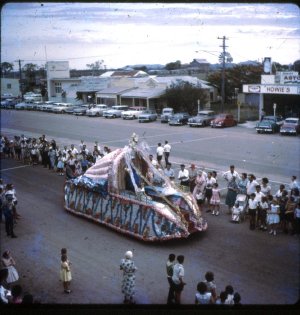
x: 223, y: 120
x: 179, y: 119
x: 203, y: 118
x: 147, y: 116
x: 269, y: 124
x: 291, y: 126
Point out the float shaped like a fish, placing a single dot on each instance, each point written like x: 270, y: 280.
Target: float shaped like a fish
x: 117, y: 192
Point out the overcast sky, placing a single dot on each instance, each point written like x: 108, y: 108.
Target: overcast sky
x: 146, y: 33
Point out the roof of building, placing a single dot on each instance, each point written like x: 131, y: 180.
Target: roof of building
x: 144, y: 93
x: 120, y: 73
x: 114, y: 90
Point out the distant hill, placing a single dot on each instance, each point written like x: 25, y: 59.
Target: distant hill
x: 217, y: 66
x: 148, y: 66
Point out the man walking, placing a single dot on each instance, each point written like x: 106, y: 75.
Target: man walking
x: 167, y: 150
x: 159, y: 153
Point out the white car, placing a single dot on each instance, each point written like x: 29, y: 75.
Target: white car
x: 60, y: 108
x: 133, y: 112
x: 24, y: 105
x: 97, y: 110
x: 30, y: 96
x: 115, y: 111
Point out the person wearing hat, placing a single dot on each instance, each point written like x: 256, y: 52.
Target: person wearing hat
x: 8, y: 211
x: 128, y: 282
x: 183, y: 176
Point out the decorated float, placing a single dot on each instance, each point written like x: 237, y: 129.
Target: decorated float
x: 124, y: 191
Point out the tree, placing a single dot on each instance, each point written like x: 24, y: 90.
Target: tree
x: 184, y: 96
x: 236, y: 77
x: 296, y: 65
x: 6, y: 68
x: 30, y: 70
x: 173, y: 65
x: 95, y: 66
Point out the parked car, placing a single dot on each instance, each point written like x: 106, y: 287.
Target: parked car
x: 147, y: 116
x: 223, y: 120
x: 9, y: 103
x: 44, y: 106
x: 115, y: 111
x: 60, y: 108
x: 24, y: 105
x: 291, y: 126
x: 80, y: 110
x: 97, y: 110
x: 30, y: 96
x: 166, y: 114
x: 269, y: 124
x: 133, y: 112
x: 179, y: 119
x: 36, y: 105
x: 203, y: 118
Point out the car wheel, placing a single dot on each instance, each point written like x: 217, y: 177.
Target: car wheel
x: 257, y: 131
x: 63, y: 112
x: 134, y: 117
x: 98, y: 114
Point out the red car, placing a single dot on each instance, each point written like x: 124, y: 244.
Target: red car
x: 223, y: 120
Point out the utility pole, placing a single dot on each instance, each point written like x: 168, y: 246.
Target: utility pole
x: 223, y: 55
x: 20, y: 76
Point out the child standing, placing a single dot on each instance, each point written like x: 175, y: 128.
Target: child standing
x: 264, y: 206
x: 65, y: 271
x: 211, y: 286
x: 60, y: 164
x: 273, y: 217
x: 215, y: 200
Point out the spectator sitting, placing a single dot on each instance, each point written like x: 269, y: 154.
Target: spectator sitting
x: 237, y: 299
x: 16, y: 293
x: 222, y: 298
x: 203, y: 296
x: 211, y: 286
x: 27, y: 299
x: 229, y: 291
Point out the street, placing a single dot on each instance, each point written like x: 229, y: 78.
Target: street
x: 264, y: 269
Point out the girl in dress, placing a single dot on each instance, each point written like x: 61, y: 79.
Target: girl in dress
x: 273, y: 217
x: 215, y: 200
x: 60, y: 164
x: 9, y: 263
x: 65, y: 273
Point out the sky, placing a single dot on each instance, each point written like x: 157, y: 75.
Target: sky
x: 123, y: 34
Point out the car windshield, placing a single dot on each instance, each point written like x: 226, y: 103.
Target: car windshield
x: 265, y: 123
x: 291, y: 121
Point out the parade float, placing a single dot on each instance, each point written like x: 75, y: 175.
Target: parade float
x: 119, y: 191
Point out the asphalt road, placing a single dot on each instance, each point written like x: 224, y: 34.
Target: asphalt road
x: 264, y: 269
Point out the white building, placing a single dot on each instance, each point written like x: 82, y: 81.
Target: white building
x: 280, y: 84
x: 10, y: 87
x: 133, y: 88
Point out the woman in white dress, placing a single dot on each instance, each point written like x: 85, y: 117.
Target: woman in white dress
x: 9, y: 263
x: 273, y: 217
